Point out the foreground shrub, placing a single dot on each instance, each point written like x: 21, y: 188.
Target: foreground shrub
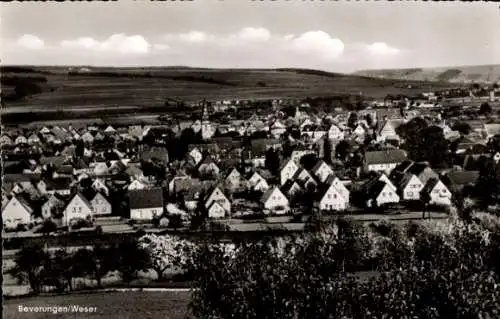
x: 445, y: 270
x: 167, y: 252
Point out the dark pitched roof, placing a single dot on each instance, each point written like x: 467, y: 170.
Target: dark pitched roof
x: 155, y: 152
x: 431, y: 183
x: 60, y: 183
x: 375, y: 189
x: 463, y: 177
x: 385, y: 157
x: 146, y: 198
x: 56, y: 161
x: 16, y: 178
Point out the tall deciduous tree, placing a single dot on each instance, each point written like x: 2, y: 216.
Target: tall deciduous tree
x: 166, y: 252
x: 29, y: 264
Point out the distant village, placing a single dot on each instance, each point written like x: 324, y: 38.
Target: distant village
x: 272, y: 163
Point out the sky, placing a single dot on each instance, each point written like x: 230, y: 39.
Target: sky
x: 334, y: 36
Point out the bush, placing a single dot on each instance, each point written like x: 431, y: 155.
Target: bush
x: 441, y: 270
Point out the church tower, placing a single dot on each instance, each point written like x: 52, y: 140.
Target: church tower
x: 207, y: 130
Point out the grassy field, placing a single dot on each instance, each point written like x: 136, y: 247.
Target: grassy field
x: 153, y: 86
x: 463, y: 74
x: 116, y: 305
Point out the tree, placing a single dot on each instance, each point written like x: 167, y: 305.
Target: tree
x: 424, y: 142
x: 48, y: 226
x: 61, y: 270
x: 488, y: 184
x: 352, y: 121
x: 485, y: 108
x: 29, y: 264
x: 343, y: 150
x: 95, y: 263
x: 272, y: 161
x: 175, y: 221
x: 327, y: 150
x: 308, y: 161
x: 369, y: 120
x: 463, y: 127
x: 131, y: 258
x: 166, y: 252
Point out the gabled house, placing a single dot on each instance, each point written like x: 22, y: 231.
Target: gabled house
x: 258, y: 183
x: 235, y: 180
x: 383, y: 161
x: 45, y: 130
x: 380, y: 194
x: 277, y: 129
x: 53, y: 207
x: 332, y: 199
x: 87, y: 138
x: 410, y: 187
x: 110, y: 130
x: 100, y: 186
x: 387, y: 130
x: 208, y: 168
x: 21, y: 139
x: 360, y: 131
x: 33, y: 139
x: 288, y: 170
x: 136, y: 185
x: 291, y: 189
x: 215, y: 210
x: 16, y: 212
x: 217, y: 196
x: 100, y: 204
x: 437, y: 193
x: 6, y: 140
x: 335, y: 133
x: 146, y: 204
x: 78, y: 208
x: 322, y: 171
x: 340, y: 186
x: 275, y: 201
x: 195, y: 156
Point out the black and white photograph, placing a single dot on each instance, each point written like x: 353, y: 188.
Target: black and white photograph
x: 217, y: 159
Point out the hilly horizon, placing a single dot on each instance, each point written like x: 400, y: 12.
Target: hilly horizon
x: 45, y: 87
x: 460, y: 74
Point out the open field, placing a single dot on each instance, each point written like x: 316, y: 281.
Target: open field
x: 165, y: 305
x: 461, y: 74
x: 99, y: 87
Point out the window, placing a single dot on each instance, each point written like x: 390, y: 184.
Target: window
x: 79, y: 209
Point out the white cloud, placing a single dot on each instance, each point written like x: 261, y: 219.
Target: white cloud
x: 253, y: 34
x: 381, y: 48
x: 319, y: 43
x: 119, y: 43
x: 31, y: 42
x: 194, y: 37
